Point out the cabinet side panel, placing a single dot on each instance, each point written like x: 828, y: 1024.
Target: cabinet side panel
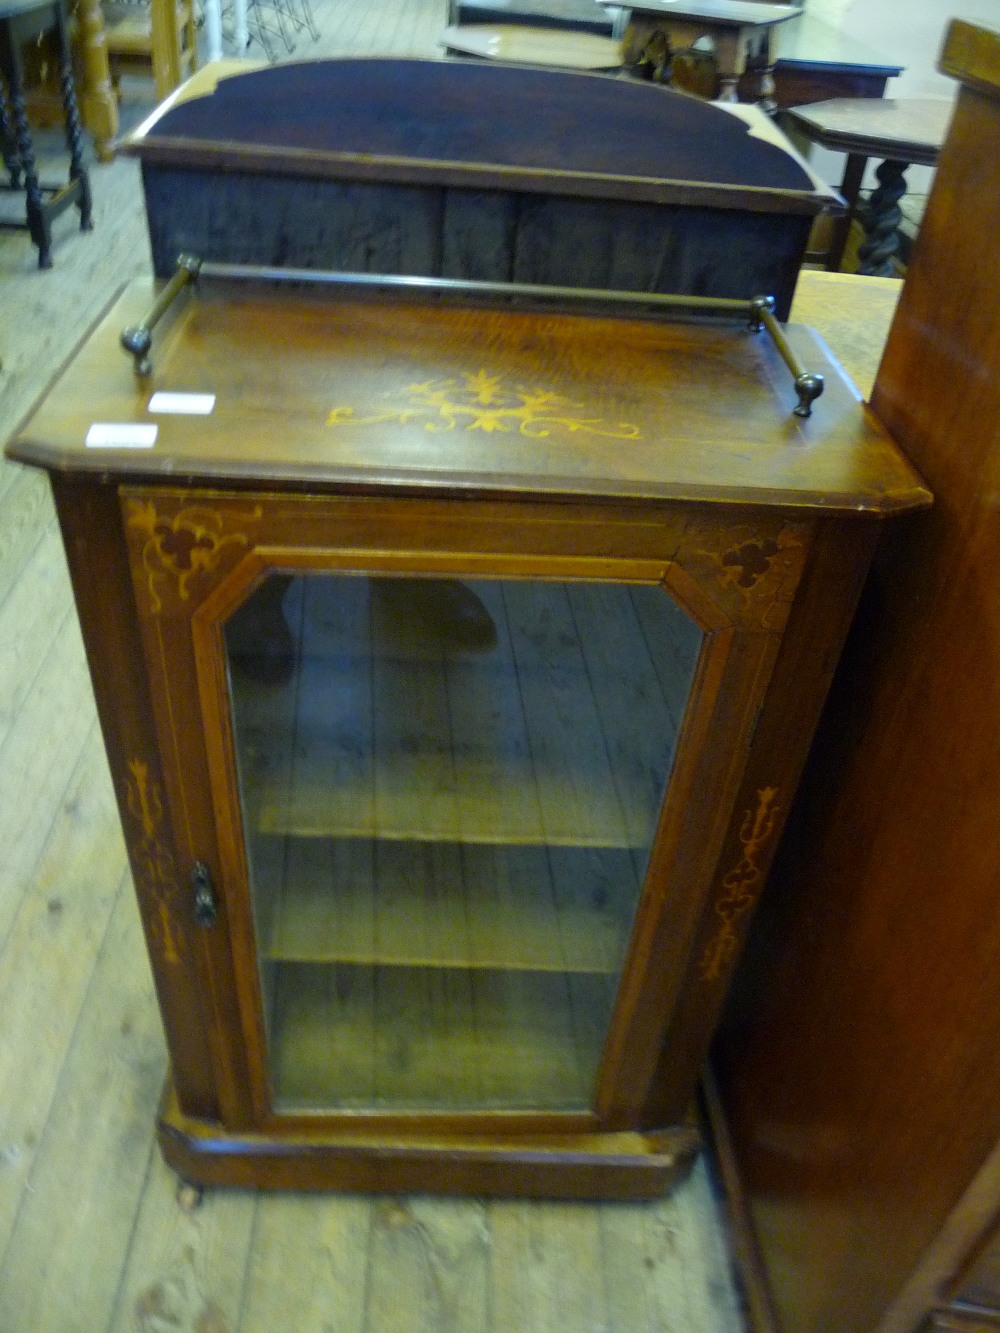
x: 821, y: 614
x: 90, y: 520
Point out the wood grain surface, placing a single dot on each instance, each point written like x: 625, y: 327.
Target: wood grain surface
x: 535, y: 400
x: 859, y: 1052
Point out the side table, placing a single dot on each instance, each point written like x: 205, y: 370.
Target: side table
x: 740, y: 29
x: 815, y: 62
x: 22, y: 21
x: 900, y: 133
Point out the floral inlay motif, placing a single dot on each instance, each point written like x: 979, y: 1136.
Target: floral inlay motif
x: 762, y: 568
x: 487, y: 403
x: 742, y: 883
x: 181, y: 547
x: 154, y: 863
x: 747, y: 563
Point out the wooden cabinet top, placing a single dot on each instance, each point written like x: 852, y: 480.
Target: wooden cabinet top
x: 375, y: 397
x: 480, y: 125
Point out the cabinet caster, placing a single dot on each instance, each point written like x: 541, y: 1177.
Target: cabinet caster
x: 189, y: 1196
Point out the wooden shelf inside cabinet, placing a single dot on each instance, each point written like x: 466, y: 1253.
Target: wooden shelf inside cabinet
x: 561, y: 909
x: 423, y: 1038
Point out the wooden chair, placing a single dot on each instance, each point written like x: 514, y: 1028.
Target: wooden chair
x: 159, y: 36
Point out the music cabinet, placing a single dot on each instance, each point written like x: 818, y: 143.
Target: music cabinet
x: 456, y: 666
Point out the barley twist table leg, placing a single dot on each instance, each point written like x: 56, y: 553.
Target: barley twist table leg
x: 74, y: 142
x: 881, y: 221
x: 38, y: 223
x: 10, y: 158
x: 74, y: 136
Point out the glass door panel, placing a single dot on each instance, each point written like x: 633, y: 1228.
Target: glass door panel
x: 449, y: 793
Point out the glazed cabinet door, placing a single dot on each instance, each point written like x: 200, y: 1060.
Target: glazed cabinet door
x: 449, y: 791
x: 457, y: 779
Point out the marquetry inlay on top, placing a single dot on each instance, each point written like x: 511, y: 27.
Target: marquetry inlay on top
x: 377, y: 397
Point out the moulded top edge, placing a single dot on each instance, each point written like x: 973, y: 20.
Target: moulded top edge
x: 478, y: 122
x: 384, y: 397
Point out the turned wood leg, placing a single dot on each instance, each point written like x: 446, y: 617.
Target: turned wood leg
x: 74, y: 136
x: 850, y: 186
x: 730, y: 59
x: 646, y: 51
x: 727, y: 88
x: 7, y: 140
x: 38, y: 222
x: 766, y: 88
x: 881, y: 221
x: 74, y: 143
x: 97, y: 95
x: 760, y: 60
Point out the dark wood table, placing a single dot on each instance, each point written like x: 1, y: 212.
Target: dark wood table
x: 23, y: 21
x: 814, y: 62
x: 900, y: 133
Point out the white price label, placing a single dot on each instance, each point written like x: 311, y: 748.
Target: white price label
x: 183, y: 404
x: 121, y: 435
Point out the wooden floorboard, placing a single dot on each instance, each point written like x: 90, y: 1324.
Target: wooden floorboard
x: 91, y: 1235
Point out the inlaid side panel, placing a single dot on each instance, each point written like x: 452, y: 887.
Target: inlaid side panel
x: 89, y: 516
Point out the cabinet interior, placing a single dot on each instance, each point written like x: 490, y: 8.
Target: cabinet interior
x: 450, y: 790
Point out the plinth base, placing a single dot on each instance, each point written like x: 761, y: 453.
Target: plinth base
x: 568, y: 1166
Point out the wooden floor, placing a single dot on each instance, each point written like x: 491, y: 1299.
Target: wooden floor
x: 91, y: 1236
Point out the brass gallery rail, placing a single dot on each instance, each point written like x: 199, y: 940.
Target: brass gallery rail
x: 137, y: 339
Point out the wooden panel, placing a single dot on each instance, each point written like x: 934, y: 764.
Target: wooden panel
x: 498, y: 236
x: 270, y: 220
x: 91, y: 529
x: 859, y: 1048
x: 640, y: 247
x: 797, y: 85
x: 479, y: 234
x: 426, y: 1038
